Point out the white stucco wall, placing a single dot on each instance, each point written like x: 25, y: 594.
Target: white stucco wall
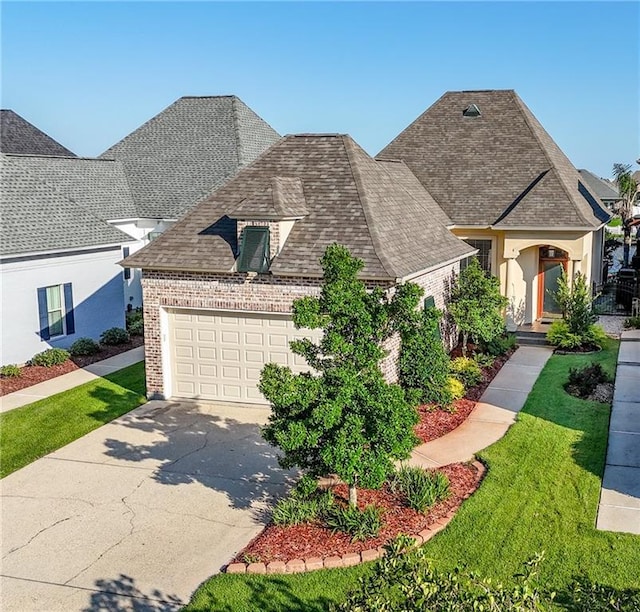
x: 97, y: 300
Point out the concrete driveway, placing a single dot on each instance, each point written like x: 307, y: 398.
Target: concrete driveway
x: 135, y: 515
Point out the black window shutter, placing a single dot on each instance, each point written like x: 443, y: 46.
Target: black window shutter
x: 42, y: 312
x: 68, y: 304
x: 127, y: 271
x: 429, y: 302
x: 254, y: 253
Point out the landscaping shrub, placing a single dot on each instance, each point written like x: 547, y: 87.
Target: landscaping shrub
x: 135, y: 323
x: 10, y: 370
x: 50, y: 357
x: 421, y: 488
x: 583, y: 594
x: 456, y: 388
x: 583, y: 381
x: 561, y: 336
x: 466, y: 370
x: 484, y: 360
x: 359, y: 524
x: 424, y: 362
x: 306, y: 487
x: 84, y: 346
x: 114, y: 336
x: 295, y: 509
x: 405, y: 579
x: 499, y: 345
x: 632, y: 323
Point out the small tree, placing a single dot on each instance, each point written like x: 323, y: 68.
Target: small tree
x: 628, y: 189
x: 575, y: 302
x: 424, y: 362
x: 476, y: 305
x: 344, y: 418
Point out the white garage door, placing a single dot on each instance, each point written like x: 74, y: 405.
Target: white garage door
x: 219, y: 355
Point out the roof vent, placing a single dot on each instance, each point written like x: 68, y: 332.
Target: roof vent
x: 471, y: 111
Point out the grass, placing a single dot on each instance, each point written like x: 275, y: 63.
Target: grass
x: 615, y: 222
x: 32, y: 431
x: 540, y: 494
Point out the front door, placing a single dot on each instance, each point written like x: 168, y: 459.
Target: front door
x: 552, y: 263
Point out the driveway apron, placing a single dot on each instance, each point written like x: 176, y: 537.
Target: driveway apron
x: 136, y: 514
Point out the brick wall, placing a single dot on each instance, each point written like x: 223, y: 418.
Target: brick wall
x: 241, y: 292
x: 274, y: 233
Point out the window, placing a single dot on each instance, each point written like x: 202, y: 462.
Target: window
x: 483, y: 254
x: 55, y: 307
x: 127, y: 271
x: 254, y: 251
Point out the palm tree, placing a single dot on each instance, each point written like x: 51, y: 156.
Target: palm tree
x: 627, y: 188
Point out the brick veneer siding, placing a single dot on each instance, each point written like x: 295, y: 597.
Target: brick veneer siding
x: 248, y: 293
x: 274, y: 233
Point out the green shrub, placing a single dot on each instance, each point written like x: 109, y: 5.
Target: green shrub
x: 50, y: 357
x: 421, y: 488
x: 294, y: 510
x: 424, y: 362
x: 499, y: 345
x: 359, y: 524
x: 10, y: 370
x: 632, y: 323
x: 596, y: 335
x: 583, y: 381
x: 484, y: 360
x: 306, y: 487
x: 560, y: 335
x: 466, y: 370
x: 404, y: 579
x: 583, y: 594
x: 84, y: 346
x: 456, y: 388
x: 114, y: 336
x: 135, y: 323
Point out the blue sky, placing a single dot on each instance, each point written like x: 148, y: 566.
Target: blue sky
x: 90, y: 73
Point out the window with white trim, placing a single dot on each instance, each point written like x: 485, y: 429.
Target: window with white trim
x: 55, y: 310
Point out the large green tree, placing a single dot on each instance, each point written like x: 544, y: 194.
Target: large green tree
x: 476, y: 305
x: 343, y: 417
x: 628, y: 189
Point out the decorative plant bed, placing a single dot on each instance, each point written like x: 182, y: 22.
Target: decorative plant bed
x: 313, y: 546
x: 32, y: 375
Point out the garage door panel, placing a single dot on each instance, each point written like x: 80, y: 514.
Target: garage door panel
x: 219, y: 356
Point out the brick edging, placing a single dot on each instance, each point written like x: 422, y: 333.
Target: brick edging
x: 296, y: 566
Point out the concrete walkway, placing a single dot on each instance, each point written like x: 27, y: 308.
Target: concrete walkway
x: 70, y: 380
x: 619, y: 508
x: 493, y: 415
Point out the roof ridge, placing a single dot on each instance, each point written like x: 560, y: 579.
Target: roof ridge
x: 543, y: 148
x: 366, y: 208
x: 236, y: 130
x: 69, y: 157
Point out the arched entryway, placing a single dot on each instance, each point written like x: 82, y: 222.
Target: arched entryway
x: 552, y: 261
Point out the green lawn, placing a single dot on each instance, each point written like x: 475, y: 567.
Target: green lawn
x: 541, y: 494
x: 37, y: 429
x: 615, y: 222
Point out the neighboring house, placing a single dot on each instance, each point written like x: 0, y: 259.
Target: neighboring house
x: 17, y: 135
x: 510, y: 192
x: 219, y: 285
x: 58, y: 267
x: 604, y: 189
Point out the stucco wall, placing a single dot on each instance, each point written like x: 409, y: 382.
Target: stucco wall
x: 97, y: 300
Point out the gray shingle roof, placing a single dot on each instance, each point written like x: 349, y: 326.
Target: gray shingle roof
x: 20, y: 136
x: 500, y: 168
x: 98, y: 185
x: 600, y: 187
x: 38, y: 218
x: 188, y: 150
x: 351, y: 199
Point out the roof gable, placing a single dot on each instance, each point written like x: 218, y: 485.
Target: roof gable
x: 601, y: 188
x: 350, y: 199
x: 192, y: 147
x: 20, y: 136
x: 38, y: 218
x: 477, y: 166
x: 282, y: 199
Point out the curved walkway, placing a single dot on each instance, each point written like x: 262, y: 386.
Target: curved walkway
x: 493, y: 415
x: 619, y: 508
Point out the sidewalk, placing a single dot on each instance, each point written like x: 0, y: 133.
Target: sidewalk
x: 70, y: 380
x: 493, y: 415
x: 619, y: 508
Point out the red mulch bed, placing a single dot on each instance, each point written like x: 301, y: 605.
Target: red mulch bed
x: 436, y: 422
x: 32, y: 375
x: 313, y: 540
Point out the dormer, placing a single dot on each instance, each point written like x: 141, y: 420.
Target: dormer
x: 265, y: 220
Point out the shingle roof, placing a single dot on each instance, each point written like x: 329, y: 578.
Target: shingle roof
x: 351, y: 199
x: 20, y: 136
x: 38, y: 218
x: 98, y: 185
x: 188, y: 150
x: 500, y: 168
x: 283, y: 198
x: 602, y: 188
